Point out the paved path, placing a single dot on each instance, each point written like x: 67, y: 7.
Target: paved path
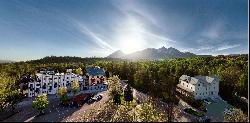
x: 215, y: 110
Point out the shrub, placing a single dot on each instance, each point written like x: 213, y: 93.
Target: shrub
x: 64, y: 100
x: 62, y: 91
x: 235, y: 115
x: 147, y: 113
x: 40, y: 103
x: 193, y: 112
x: 75, y: 86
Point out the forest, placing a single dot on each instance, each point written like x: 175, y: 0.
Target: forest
x: 153, y: 77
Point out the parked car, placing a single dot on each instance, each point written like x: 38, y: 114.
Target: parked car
x: 99, y: 97
x: 91, y: 100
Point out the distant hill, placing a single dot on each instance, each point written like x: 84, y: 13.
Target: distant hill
x: 6, y: 61
x: 69, y: 59
x: 116, y: 54
x: 153, y: 54
x: 205, y: 55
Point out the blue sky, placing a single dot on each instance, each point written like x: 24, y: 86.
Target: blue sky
x: 32, y: 29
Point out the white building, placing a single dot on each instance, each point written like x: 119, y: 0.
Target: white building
x: 49, y: 82
x: 199, y: 87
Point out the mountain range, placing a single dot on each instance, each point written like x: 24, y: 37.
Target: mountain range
x: 152, y: 54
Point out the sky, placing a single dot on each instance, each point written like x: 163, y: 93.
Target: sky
x: 33, y: 29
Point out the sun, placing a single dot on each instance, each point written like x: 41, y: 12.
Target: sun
x: 131, y: 42
x: 130, y: 36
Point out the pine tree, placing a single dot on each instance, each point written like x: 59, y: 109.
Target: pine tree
x: 128, y: 94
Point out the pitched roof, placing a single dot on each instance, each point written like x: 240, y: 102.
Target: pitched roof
x: 95, y: 71
x: 185, y: 77
x: 193, y: 80
x: 202, y: 79
x: 207, y: 79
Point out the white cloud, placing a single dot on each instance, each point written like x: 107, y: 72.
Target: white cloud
x: 95, y: 36
x: 198, y: 50
x: 225, y: 47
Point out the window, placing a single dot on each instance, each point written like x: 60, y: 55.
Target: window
x: 200, y: 93
x: 195, y: 93
x: 55, y: 85
x: 31, y: 87
x: 214, y: 87
x: 191, y: 87
x: 50, y: 87
x: 198, y: 88
x: 44, y: 86
x: 198, y: 84
x: 187, y: 85
x: 206, y: 92
x: 203, y: 93
x: 206, y: 88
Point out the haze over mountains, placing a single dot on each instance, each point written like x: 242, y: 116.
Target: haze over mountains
x: 153, y: 54
x: 5, y: 61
